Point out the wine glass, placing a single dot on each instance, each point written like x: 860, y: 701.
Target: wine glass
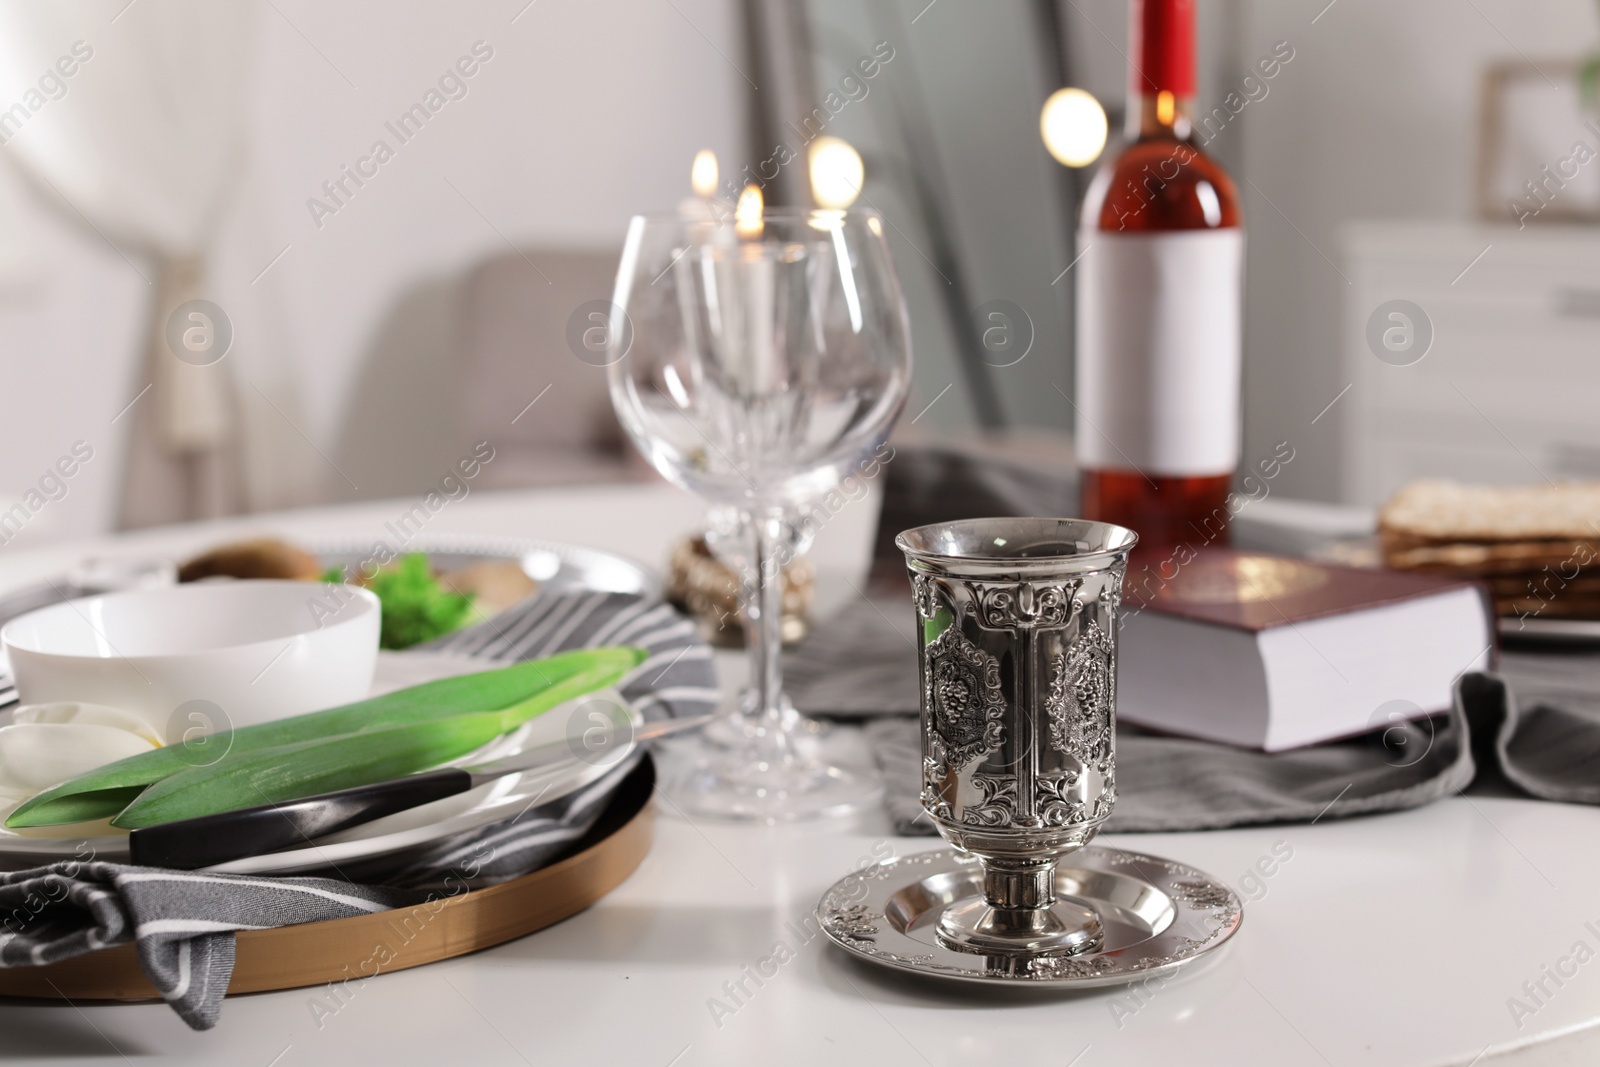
x: 758, y: 361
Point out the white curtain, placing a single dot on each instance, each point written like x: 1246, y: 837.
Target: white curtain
x: 146, y: 147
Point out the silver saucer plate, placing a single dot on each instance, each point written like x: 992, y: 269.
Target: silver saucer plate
x: 1554, y: 632
x: 555, y: 566
x: 1158, y: 916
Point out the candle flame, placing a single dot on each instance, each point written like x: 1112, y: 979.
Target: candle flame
x: 747, y: 213
x: 703, y: 174
x: 1166, y: 107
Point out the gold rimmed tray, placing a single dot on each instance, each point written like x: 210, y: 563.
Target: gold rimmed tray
x: 289, y: 957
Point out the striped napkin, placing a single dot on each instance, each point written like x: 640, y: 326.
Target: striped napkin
x: 184, y: 921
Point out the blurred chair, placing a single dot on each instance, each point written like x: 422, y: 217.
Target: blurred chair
x: 513, y: 344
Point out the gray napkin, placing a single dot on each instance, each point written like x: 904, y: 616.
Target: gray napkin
x: 1533, y: 727
x: 933, y: 483
x: 859, y: 663
x: 184, y: 921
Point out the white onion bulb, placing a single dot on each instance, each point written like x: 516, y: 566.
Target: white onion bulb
x: 37, y: 755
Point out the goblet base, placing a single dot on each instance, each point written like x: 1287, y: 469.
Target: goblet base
x: 736, y: 785
x: 737, y: 732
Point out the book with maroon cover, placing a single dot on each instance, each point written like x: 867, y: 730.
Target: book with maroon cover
x: 1274, y: 653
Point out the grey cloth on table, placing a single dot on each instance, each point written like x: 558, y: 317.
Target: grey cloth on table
x: 1533, y: 726
x: 860, y: 663
x: 1547, y: 743
x: 934, y: 484
x: 184, y: 921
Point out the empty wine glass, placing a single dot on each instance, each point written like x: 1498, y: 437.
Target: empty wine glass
x: 758, y: 361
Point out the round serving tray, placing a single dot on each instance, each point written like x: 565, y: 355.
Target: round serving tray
x: 310, y: 954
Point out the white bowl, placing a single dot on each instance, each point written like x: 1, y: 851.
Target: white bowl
x: 200, y: 657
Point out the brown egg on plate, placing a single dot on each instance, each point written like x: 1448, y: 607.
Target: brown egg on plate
x: 495, y: 584
x: 260, y: 557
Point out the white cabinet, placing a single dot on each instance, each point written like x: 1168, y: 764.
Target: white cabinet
x: 1509, y: 390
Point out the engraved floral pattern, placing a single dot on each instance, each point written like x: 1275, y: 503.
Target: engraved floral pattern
x: 925, y: 594
x: 1027, y: 606
x: 1079, y: 701
x: 998, y: 805
x: 1201, y: 894
x: 1108, y: 794
x: 963, y: 698
x: 1057, y: 801
x: 935, y: 785
x: 1058, y: 967
x: 853, y: 920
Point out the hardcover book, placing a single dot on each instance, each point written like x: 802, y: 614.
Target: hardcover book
x: 1274, y: 653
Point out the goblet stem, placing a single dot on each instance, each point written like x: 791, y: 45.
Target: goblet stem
x: 768, y: 537
x: 766, y: 771
x: 732, y: 537
x: 1019, y: 885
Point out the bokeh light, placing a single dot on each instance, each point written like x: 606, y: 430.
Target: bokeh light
x: 1074, y: 127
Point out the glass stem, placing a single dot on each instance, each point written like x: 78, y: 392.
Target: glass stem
x: 763, y: 600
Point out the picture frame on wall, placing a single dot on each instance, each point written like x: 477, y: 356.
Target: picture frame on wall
x: 1539, y: 145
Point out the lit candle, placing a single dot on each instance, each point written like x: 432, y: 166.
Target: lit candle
x: 757, y: 286
x: 706, y: 215
x: 703, y: 180
x: 747, y: 221
x: 703, y: 174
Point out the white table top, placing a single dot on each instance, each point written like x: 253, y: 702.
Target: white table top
x: 1397, y: 939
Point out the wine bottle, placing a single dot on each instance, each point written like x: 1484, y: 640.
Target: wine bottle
x: 1160, y: 291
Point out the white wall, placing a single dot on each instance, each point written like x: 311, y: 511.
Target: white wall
x: 1375, y: 118
x: 71, y: 311
x: 589, y: 111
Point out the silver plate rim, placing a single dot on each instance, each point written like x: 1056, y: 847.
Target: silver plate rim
x: 579, y: 564
x: 1196, y: 896
x: 1549, y: 631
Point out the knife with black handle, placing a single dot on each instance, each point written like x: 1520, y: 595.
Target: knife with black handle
x: 189, y: 844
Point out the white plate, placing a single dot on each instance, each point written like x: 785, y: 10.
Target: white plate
x: 416, y: 827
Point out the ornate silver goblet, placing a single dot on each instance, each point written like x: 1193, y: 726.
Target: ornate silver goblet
x: 1018, y: 656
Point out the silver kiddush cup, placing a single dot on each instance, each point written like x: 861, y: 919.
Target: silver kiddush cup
x: 1017, y: 656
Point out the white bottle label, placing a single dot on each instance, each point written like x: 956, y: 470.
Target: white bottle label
x: 1158, y: 351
